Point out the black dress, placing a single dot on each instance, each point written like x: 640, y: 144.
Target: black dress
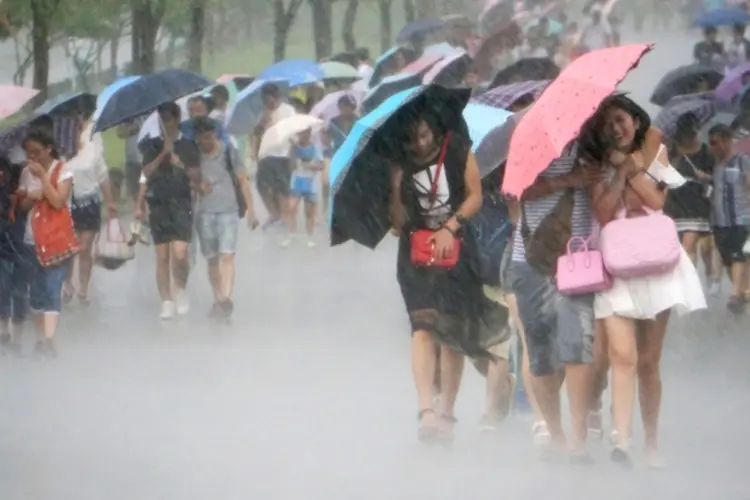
x: 688, y: 204
x: 450, y: 304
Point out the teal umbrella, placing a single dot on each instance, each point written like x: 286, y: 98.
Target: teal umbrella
x: 334, y: 70
x: 555, y: 27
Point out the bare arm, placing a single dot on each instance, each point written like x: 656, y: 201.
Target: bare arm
x: 545, y: 186
x: 474, y: 198
x: 151, y: 166
x: 647, y: 188
x: 606, y: 198
x: 58, y: 195
x: 396, y: 206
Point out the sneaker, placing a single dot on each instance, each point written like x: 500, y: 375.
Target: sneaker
x: 311, y: 244
x: 490, y: 423
x: 45, y: 349
x: 714, y: 289
x: 182, y: 303
x: 286, y: 242
x: 167, y: 309
x: 540, y: 434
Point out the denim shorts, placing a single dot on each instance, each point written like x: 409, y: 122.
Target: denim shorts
x: 559, y: 328
x: 217, y: 233
x: 45, y: 287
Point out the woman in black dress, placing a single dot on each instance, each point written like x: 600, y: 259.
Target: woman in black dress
x: 689, y: 204
x: 446, y: 306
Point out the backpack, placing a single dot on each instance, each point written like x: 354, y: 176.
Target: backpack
x: 491, y: 228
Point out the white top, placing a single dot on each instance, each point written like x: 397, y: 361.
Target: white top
x: 88, y: 165
x: 365, y: 71
x: 440, y: 209
x: 596, y: 36
x: 285, y: 110
x: 29, y: 183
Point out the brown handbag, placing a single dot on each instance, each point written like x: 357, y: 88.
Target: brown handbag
x: 550, y: 239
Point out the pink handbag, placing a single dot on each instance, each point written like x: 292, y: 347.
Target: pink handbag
x: 583, y: 271
x: 640, y: 246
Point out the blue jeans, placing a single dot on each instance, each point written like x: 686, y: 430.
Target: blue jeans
x: 217, y: 233
x: 46, y: 287
x: 16, y: 264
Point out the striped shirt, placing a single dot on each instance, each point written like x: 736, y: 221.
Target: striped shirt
x: 537, y: 210
x: 729, y: 201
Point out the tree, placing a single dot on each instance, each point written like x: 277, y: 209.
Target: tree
x: 195, y: 38
x: 147, y: 16
x: 322, y: 29
x: 347, y: 27
x: 283, y: 18
x: 409, y: 11
x: 15, y: 18
x: 386, y: 28
x: 42, y: 13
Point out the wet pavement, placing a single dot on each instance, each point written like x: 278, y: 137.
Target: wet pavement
x: 307, y: 394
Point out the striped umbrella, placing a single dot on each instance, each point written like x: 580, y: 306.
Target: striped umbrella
x: 505, y: 96
x: 702, y: 106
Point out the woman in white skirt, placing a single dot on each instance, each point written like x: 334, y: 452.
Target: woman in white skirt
x: 635, y: 311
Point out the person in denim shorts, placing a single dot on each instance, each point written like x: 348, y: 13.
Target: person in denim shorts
x: 305, y: 183
x: 218, y: 211
x: 559, y: 329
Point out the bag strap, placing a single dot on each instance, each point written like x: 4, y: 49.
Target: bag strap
x: 441, y: 159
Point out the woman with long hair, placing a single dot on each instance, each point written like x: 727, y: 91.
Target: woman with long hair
x: 45, y: 188
x: 636, y: 171
x: 435, y: 189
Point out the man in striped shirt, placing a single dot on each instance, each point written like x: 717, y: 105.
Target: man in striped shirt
x: 559, y: 329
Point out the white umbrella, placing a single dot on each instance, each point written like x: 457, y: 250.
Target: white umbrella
x: 278, y: 137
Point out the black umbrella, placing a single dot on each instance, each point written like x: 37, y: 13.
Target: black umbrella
x: 147, y: 93
x: 531, y: 68
x: 419, y: 28
x: 68, y: 103
x: 387, y: 87
x: 685, y: 80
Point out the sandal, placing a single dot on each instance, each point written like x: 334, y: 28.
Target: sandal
x: 446, y: 429
x: 428, y: 434
x: 540, y: 434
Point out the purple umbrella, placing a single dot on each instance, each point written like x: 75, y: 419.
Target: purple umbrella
x: 703, y: 106
x: 328, y: 108
x: 732, y: 83
x: 505, y: 96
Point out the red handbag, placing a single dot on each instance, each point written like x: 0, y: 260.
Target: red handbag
x: 54, y: 237
x: 422, y: 251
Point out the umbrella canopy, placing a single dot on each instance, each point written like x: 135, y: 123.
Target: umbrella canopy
x: 240, y: 81
x: 449, y: 71
x: 295, y: 72
x: 422, y: 64
x: 721, y: 117
x: 387, y: 59
x: 277, y: 138
x: 245, y: 112
x: 359, y: 173
x: 531, y: 68
x: 722, y: 17
x: 333, y: 70
x: 388, y: 87
x: 68, y: 103
x: 147, y: 93
x: 701, y: 106
x: 108, y: 91
x: 505, y: 96
x: 419, y: 28
x: 13, y: 98
x: 442, y: 49
x: 346, y: 57
x: 557, y: 116
x: 733, y: 82
x: 685, y: 80
x: 65, y: 132
x: 328, y: 107
x: 484, y: 122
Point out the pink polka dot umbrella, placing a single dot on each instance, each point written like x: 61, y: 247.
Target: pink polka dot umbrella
x: 13, y: 98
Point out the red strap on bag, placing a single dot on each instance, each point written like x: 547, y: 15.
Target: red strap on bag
x: 54, y: 235
x: 422, y: 250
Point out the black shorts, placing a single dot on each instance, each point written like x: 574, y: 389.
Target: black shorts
x: 729, y: 242
x: 274, y: 175
x: 86, y: 213
x: 173, y: 222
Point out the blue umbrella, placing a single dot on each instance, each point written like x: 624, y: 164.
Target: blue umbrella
x: 484, y: 123
x: 441, y: 49
x: 359, y: 172
x: 107, y: 92
x: 147, y: 93
x: 68, y: 103
x: 294, y: 72
x: 722, y: 17
x: 244, y: 112
x: 419, y: 28
x: 389, y: 86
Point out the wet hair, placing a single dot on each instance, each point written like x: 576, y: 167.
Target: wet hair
x: 711, y: 30
x: 363, y: 53
x: 221, y: 92
x: 204, y: 124
x: 347, y: 100
x: 686, y: 127
x: 739, y: 29
x: 594, y: 144
x: 43, y: 122
x: 721, y: 130
x: 270, y: 90
x: 206, y: 102
x: 170, y: 110
x: 44, y: 138
x: 523, y: 101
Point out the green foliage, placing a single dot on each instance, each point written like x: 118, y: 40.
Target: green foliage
x: 92, y: 19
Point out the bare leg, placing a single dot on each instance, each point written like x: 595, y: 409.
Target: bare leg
x: 579, y: 385
x: 650, y: 343
x: 528, y: 381
x: 623, y: 355
x: 547, y: 390
x: 226, y: 275
x: 85, y: 263
x: 163, y: 276
x: 423, y: 365
x: 214, y: 277
x: 310, y: 213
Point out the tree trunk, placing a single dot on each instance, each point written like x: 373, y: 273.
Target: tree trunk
x: 41, y: 19
x: 322, y: 28
x: 283, y: 19
x: 386, y: 30
x: 426, y: 9
x: 409, y: 11
x: 147, y: 16
x: 195, y: 38
x: 210, y: 35
x: 114, y: 50
x: 347, y: 28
